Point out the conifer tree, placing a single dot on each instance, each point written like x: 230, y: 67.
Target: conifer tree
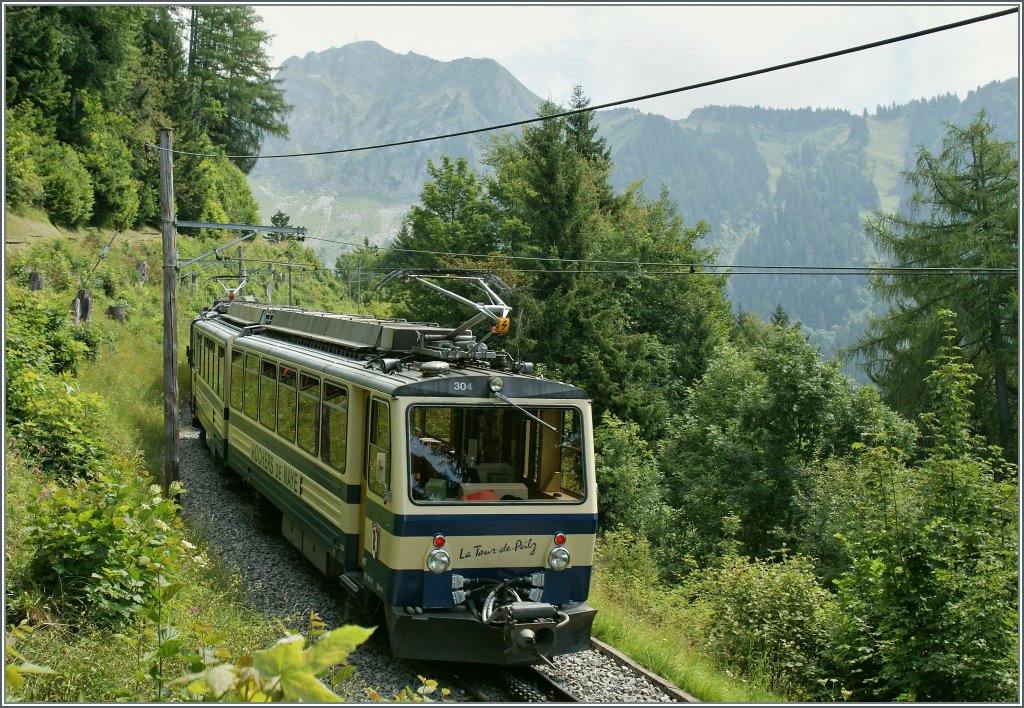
x: 963, y: 214
x: 235, y: 99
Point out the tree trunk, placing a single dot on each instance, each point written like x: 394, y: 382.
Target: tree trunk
x: 1002, y: 392
x: 85, y: 298
x: 116, y: 312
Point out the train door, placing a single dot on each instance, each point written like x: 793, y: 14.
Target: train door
x: 376, y: 482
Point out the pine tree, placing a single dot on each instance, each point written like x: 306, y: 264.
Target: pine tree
x: 963, y: 214
x: 234, y: 97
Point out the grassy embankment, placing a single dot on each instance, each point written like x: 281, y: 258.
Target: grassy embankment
x: 91, y: 664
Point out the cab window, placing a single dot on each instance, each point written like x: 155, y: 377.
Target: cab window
x: 500, y: 454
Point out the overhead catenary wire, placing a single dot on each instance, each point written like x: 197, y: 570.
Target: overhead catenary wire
x: 612, y: 104
x: 684, y: 268
x: 727, y: 270
x: 744, y: 269
x: 103, y: 254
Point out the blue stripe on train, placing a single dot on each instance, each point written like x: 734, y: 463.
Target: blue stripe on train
x: 327, y: 533
x: 419, y: 588
x: 349, y: 493
x: 463, y: 524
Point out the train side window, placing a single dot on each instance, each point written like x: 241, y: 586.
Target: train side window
x: 378, y: 457
x: 309, y: 412
x: 250, y: 400
x: 220, y: 367
x: 286, y: 403
x: 268, y: 394
x: 209, y: 360
x: 334, y: 425
x: 202, y: 359
x: 236, y: 380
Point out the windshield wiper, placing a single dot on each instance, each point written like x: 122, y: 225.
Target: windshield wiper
x: 566, y: 442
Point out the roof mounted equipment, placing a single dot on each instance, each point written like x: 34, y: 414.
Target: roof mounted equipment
x: 446, y: 346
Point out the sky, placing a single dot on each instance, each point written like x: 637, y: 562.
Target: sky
x: 620, y: 51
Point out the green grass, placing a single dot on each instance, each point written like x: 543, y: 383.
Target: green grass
x: 90, y: 663
x: 886, y: 147
x: 657, y: 638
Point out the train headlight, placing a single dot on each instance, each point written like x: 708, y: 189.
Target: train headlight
x: 558, y: 558
x: 438, y: 561
x: 496, y: 384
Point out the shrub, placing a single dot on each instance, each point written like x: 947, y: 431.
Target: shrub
x: 285, y: 672
x: 67, y: 188
x: 627, y: 476
x: 99, y: 547
x: 41, y: 337
x: 58, y: 424
x: 24, y: 183
x: 56, y: 259
x: 625, y: 560
x: 930, y: 605
x: 768, y: 617
x: 109, y: 161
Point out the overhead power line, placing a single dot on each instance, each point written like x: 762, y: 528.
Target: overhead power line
x: 723, y: 270
x: 636, y: 99
x: 634, y: 267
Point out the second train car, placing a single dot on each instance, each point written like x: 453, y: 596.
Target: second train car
x: 439, y: 480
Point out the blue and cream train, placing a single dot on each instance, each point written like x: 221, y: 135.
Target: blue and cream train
x: 438, y: 480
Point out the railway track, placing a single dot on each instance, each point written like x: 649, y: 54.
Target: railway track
x: 531, y: 684
x: 281, y: 583
x: 621, y: 659
x: 520, y: 684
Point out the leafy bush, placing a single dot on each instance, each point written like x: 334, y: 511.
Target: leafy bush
x: 768, y: 617
x: 56, y: 259
x: 23, y: 157
x: 58, y: 424
x: 764, y: 414
x: 626, y: 560
x: 930, y: 605
x: 67, y: 187
x: 99, y: 547
x: 42, y: 338
x: 285, y: 672
x: 627, y: 476
x: 109, y: 161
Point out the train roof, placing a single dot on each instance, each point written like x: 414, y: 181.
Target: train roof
x: 392, y: 355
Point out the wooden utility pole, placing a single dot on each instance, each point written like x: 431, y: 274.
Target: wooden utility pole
x: 171, y: 448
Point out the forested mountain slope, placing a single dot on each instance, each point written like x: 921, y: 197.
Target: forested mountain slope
x: 777, y: 187
x: 791, y: 187
x: 362, y: 94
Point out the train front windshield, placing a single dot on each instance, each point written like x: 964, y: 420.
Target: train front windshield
x: 496, y: 454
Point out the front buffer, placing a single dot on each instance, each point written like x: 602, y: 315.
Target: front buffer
x: 515, y: 633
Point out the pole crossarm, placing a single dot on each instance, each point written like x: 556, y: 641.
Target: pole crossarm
x: 234, y: 227
x: 241, y: 227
